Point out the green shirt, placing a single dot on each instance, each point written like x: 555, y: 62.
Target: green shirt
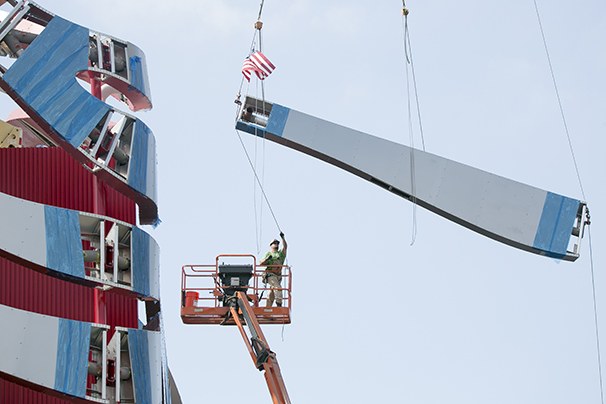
x: 275, y: 258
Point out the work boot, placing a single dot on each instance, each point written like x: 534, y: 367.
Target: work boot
x: 279, y: 304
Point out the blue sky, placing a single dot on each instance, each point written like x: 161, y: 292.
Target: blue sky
x: 455, y: 317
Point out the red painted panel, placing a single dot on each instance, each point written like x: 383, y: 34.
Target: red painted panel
x: 25, y: 289
x: 52, y: 177
x: 49, y: 175
x: 29, y: 290
x: 11, y: 393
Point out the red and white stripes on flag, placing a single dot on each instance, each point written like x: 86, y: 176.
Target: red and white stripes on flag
x: 258, y: 63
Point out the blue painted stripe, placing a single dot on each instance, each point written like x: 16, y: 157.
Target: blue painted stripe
x: 45, y: 77
x: 555, y: 226
x: 56, y: 67
x: 137, y: 174
x: 89, y: 115
x: 63, y: 241
x: 250, y: 128
x: 277, y: 119
x: 25, y: 74
x: 141, y: 264
x: 136, y: 73
x: 138, y: 346
x: 72, y: 357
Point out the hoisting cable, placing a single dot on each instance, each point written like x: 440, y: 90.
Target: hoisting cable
x: 588, y: 221
x: 407, y: 51
x: 260, y: 10
x: 259, y: 231
x: 258, y: 25
x: 595, y: 308
x: 259, y: 219
x: 555, y: 85
x: 250, y: 51
x: 258, y: 181
x: 413, y: 199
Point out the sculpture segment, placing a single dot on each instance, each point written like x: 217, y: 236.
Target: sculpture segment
x: 508, y: 211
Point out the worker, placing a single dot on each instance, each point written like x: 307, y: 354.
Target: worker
x: 274, y: 260
x: 247, y: 114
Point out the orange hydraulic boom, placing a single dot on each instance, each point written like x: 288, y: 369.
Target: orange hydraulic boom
x: 232, y: 294
x: 258, y: 347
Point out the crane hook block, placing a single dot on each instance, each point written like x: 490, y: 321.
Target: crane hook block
x: 258, y: 25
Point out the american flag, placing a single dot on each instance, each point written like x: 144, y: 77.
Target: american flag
x: 258, y: 63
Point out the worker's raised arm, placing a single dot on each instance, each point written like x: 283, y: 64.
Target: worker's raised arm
x: 284, y: 245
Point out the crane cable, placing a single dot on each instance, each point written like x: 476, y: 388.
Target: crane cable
x: 555, y: 85
x: 588, y: 217
x: 259, y: 223
x: 595, y: 312
x: 258, y: 219
x: 407, y: 52
x: 258, y: 26
x: 413, y: 184
x: 260, y: 10
x: 409, y: 60
x: 258, y: 181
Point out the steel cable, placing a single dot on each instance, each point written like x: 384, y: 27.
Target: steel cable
x: 595, y: 307
x: 555, y: 85
x: 595, y: 314
x: 258, y: 181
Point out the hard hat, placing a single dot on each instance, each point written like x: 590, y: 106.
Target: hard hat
x: 274, y: 241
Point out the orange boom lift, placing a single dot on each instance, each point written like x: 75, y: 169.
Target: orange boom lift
x: 221, y: 294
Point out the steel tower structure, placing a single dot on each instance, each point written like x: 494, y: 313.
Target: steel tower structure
x: 73, y: 262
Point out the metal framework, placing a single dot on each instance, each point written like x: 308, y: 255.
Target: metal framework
x: 81, y: 361
x: 203, y: 294
x: 57, y: 356
x: 50, y: 240
x: 123, y: 153
x: 222, y: 294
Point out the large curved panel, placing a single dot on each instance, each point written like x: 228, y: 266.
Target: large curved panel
x: 48, y: 352
x: 90, y: 247
x: 49, y: 240
x: 122, y: 66
x: 513, y: 213
x: 56, y: 356
x: 43, y: 82
x: 146, y: 365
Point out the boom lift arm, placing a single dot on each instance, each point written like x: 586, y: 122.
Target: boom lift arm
x: 258, y: 347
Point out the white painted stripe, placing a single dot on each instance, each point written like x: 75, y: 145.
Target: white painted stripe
x: 23, y: 231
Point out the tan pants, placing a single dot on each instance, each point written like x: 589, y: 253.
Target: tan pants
x: 275, y: 291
